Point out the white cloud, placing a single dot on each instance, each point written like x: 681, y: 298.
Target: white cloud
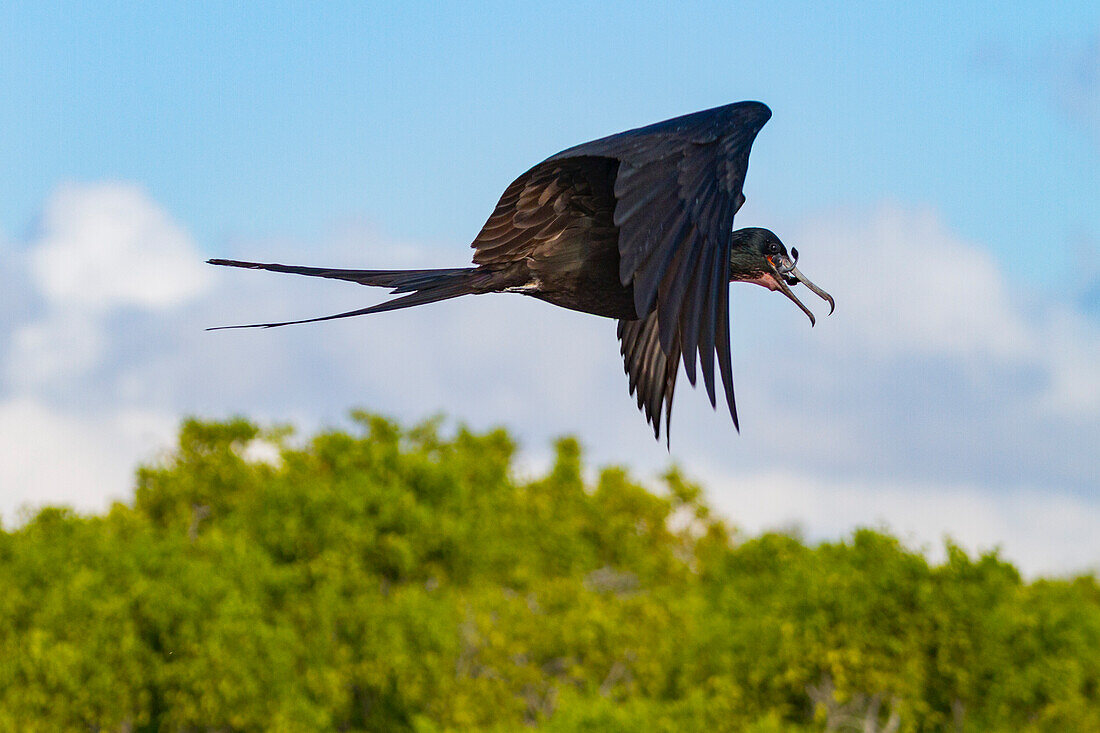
x: 55, y: 456
x: 926, y: 315
x: 910, y: 286
x: 109, y: 245
x: 1040, y: 532
x: 100, y: 250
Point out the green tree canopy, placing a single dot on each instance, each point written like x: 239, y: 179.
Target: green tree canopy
x: 388, y: 579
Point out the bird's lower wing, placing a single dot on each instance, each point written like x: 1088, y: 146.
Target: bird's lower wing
x: 675, y: 220
x: 677, y: 188
x: 651, y: 372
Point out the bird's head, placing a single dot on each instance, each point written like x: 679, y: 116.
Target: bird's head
x: 757, y: 256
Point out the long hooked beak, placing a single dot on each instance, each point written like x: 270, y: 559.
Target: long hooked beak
x: 786, y: 272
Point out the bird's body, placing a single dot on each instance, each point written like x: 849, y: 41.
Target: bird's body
x: 635, y: 226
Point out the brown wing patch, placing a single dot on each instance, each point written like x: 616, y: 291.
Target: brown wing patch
x: 542, y: 204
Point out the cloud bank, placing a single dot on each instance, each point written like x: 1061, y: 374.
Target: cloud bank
x: 938, y: 399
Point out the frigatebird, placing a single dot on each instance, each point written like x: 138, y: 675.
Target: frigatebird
x: 636, y: 226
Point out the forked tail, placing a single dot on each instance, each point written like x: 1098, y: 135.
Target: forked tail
x: 422, y: 286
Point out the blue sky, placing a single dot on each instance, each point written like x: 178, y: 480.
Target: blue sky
x: 951, y: 144
x: 250, y: 120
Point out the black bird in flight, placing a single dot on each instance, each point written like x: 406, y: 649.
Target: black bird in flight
x: 636, y: 226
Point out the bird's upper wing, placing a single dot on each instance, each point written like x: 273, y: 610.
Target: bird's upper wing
x: 544, y: 203
x: 678, y: 187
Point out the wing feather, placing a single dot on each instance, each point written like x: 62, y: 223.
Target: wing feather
x: 678, y: 187
x: 651, y: 373
x: 707, y: 325
x: 692, y: 314
x: 542, y: 204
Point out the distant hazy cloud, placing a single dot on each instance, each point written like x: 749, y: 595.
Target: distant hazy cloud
x: 1077, y: 84
x: 1068, y: 71
x: 1070, y: 355
x: 53, y: 347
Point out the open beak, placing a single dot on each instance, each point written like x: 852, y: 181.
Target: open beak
x: 786, y: 274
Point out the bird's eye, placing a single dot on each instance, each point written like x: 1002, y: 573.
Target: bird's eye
x: 774, y: 249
